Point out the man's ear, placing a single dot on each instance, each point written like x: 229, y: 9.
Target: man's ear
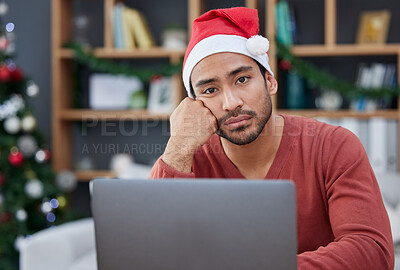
x: 272, y: 84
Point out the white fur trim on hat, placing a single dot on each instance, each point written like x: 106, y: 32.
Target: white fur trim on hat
x: 257, y: 45
x: 217, y: 44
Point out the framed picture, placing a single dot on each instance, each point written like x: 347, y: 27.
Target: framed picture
x: 161, y: 96
x: 373, y: 27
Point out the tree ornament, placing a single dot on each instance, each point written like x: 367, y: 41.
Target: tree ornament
x: 62, y: 202
x: 10, y: 107
x: 54, y: 203
x: 285, y: 65
x: 3, y: 8
x: 46, y: 207
x: 12, y: 125
x: 34, y: 188
x: 27, y: 145
x: 2, y: 179
x: 5, y: 74
x: 30, y: 174
x: 17, y: 75
x: 11, y: 42
x: 15, y: 158
x: 6, y: 217
x: 3, y: 43
x: 21, y: 215
x: 66, y: 180
x: 43, y: 155
x: 32, y: 89
x: 28, y: 123
x: 18, y: 242
x: 51, y: 217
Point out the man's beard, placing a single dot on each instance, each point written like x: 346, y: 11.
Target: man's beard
x: 261, y: 119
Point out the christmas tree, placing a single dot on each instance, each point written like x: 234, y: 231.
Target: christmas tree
x: 32, y: 196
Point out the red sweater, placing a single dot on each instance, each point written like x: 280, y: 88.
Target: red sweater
x: 341, y: 219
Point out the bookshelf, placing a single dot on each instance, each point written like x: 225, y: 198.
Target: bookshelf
x: 330, y: 48
x: 64, y: 115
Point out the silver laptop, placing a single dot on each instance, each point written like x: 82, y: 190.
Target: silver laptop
x: 186, y: 224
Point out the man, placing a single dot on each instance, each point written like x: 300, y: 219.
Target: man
x: 225, y: 129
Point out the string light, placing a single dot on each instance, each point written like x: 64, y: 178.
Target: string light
x: 10, y: 27
x: 51, y: 217
x: 54, y: 203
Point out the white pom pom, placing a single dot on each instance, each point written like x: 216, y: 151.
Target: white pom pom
x: 257, y: 45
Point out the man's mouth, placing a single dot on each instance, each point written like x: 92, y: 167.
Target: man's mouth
x: 235, y: 122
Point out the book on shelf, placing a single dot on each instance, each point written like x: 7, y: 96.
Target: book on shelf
x: 392, y: 145
x: 283, y: 23
x: 377, y: 150
x: 352, y: 124
x: 372, y: 77
x: 130, y: 28
x: 292, y: 23
x: 379, y: 136
x: 141, y: 30
x: 127, y: 24
x: 116, y: 19
x: 296, y: 94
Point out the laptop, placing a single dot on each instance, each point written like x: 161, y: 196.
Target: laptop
x: 187, y: 224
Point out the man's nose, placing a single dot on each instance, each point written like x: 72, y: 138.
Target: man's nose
x: 232, y: 100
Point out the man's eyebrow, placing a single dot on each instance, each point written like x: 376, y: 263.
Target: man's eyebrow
x: 230, y: 74
x: 206, y: 81
x: 238, y: 70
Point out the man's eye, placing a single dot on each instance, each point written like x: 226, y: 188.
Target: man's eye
x: 243, y: 79
x: 209, y: 91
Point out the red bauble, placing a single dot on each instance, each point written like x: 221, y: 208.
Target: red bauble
x: 48, y: 154
x: 16, y: 159
x: 285, y: 65
x: 6, y: 217
x: 17, y: 75
x: 3, y: 43
x: 2, y: 180
x: 5, y: 74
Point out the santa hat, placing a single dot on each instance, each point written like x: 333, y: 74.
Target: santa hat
x: 225, y: 30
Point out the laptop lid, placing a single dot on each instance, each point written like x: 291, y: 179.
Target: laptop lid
x: 194, y: 224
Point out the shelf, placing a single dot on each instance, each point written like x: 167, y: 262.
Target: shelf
x: 86, y: 176
x: 389, y: 114
x: 345, y: 50
x: 156, y: 52
x: 79, y: 115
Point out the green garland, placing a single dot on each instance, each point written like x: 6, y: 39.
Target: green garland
x: 325, y: 81
x: 86, y: 57
x: 312, y: 74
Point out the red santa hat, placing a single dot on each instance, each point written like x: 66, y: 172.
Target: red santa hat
x: 225, y: 30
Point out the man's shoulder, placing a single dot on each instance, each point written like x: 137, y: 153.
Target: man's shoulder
x: 307, y: 126
x: 310, y: 132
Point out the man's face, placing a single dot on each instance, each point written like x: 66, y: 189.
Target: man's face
x: 233, y: 88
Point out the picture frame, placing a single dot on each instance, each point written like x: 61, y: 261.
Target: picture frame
x: 161, y: 97
x: 373, y: 27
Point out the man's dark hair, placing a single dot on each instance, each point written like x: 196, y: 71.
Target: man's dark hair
x: 261, y: 67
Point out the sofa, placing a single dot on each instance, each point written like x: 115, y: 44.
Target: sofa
x: 71, y: 246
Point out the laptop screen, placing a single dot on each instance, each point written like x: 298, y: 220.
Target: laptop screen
x: 194, y: 224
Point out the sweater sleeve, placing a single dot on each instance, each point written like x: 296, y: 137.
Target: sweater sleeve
x: 360, y: 225
x: 163, y: 170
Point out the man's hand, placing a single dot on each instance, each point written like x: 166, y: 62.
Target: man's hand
x: 192, y: 124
